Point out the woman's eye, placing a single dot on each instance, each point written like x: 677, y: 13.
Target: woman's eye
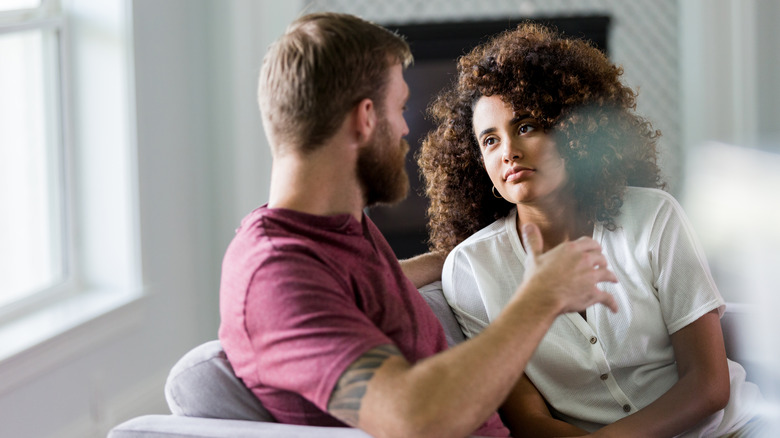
x: 525, y: 128
x: 490, y: 141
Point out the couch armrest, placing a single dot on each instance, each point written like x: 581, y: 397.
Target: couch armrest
x: 174, y: 426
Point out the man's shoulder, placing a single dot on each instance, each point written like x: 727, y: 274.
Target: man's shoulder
x: 269, y: 231
x: 267, y: 249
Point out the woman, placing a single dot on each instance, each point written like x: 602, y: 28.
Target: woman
x: 540, y: 129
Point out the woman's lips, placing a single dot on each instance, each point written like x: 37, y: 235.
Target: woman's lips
x: 517, y: 173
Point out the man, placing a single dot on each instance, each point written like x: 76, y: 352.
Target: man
x: 319, y: 319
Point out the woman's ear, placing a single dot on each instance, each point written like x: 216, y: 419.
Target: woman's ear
x: 365, y: 119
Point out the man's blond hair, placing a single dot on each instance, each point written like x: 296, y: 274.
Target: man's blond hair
x: 317, y: 72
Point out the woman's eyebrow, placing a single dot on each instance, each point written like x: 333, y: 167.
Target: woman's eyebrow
x: 520, y: 117
x: 486, y: 131
x: 514, y: 121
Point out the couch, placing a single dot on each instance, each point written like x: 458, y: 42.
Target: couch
x: 208, y: 401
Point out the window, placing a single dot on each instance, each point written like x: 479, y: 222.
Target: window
x: 69, y: 245
x: 33, y: 230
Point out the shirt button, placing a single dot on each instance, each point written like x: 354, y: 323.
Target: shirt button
x: 626, y: 408
x: 593, y: 340
x: 604, y: 376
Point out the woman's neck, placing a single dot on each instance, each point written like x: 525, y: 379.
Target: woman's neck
x: 558, y: 220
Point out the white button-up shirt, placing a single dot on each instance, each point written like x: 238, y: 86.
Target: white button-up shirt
x: 594, y: 372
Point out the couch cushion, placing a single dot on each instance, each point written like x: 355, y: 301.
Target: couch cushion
x: 434, y: 296
x: 202, y: 384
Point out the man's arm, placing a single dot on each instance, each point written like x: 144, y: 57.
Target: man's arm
x: 347, y: 396
x: 452, y: 393
x: 424, y: 268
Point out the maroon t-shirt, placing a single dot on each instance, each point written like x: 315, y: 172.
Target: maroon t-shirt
x: 303, y: 296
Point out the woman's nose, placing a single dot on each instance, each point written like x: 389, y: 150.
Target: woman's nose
x: 511, y: 152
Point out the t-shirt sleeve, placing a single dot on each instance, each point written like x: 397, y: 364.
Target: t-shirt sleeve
x: 685, y: 286
x: 305, y: 326
x: 459, y: 284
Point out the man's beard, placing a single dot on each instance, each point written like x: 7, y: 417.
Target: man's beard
x: 381, y: 169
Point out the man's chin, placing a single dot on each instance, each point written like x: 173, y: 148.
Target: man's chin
x: 389, y: 202
x: 387, y: 183
x: 387, y: 198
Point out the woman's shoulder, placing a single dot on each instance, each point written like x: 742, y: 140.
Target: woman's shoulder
x: 645, y: 194
x: 484, y: 251
x: 487, y: 235
x: 643, y: 202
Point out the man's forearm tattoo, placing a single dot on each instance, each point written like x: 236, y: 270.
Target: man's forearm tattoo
x: 348, y: 394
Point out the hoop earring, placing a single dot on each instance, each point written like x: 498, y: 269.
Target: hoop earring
x: 495, y: 193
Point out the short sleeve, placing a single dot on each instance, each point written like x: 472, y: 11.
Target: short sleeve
x: 462, y: 293
x: 305, y: 326
x: 686, y: 290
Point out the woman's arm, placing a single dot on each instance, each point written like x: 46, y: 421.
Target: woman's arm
x: 702, y: 388
x: 525, y: 413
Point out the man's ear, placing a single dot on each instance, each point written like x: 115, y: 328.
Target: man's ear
x: 365, y: 119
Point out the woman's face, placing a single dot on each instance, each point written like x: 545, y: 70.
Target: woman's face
x: 520, y: 158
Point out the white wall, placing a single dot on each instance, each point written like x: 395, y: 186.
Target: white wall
x: 203, y: 163
x: 731, y: 114
x: 729, y: 72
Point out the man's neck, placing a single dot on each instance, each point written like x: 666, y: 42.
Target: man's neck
x: 322, y: 183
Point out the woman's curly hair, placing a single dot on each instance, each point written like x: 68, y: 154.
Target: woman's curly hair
x: 574, y: 92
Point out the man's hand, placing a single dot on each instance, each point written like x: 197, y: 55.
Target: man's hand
x: 385, y: 395
x: 424, y: 268
x: 566, y: 274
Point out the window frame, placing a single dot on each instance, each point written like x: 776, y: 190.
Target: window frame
x: 103, y: 294
x: 48, y: 17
